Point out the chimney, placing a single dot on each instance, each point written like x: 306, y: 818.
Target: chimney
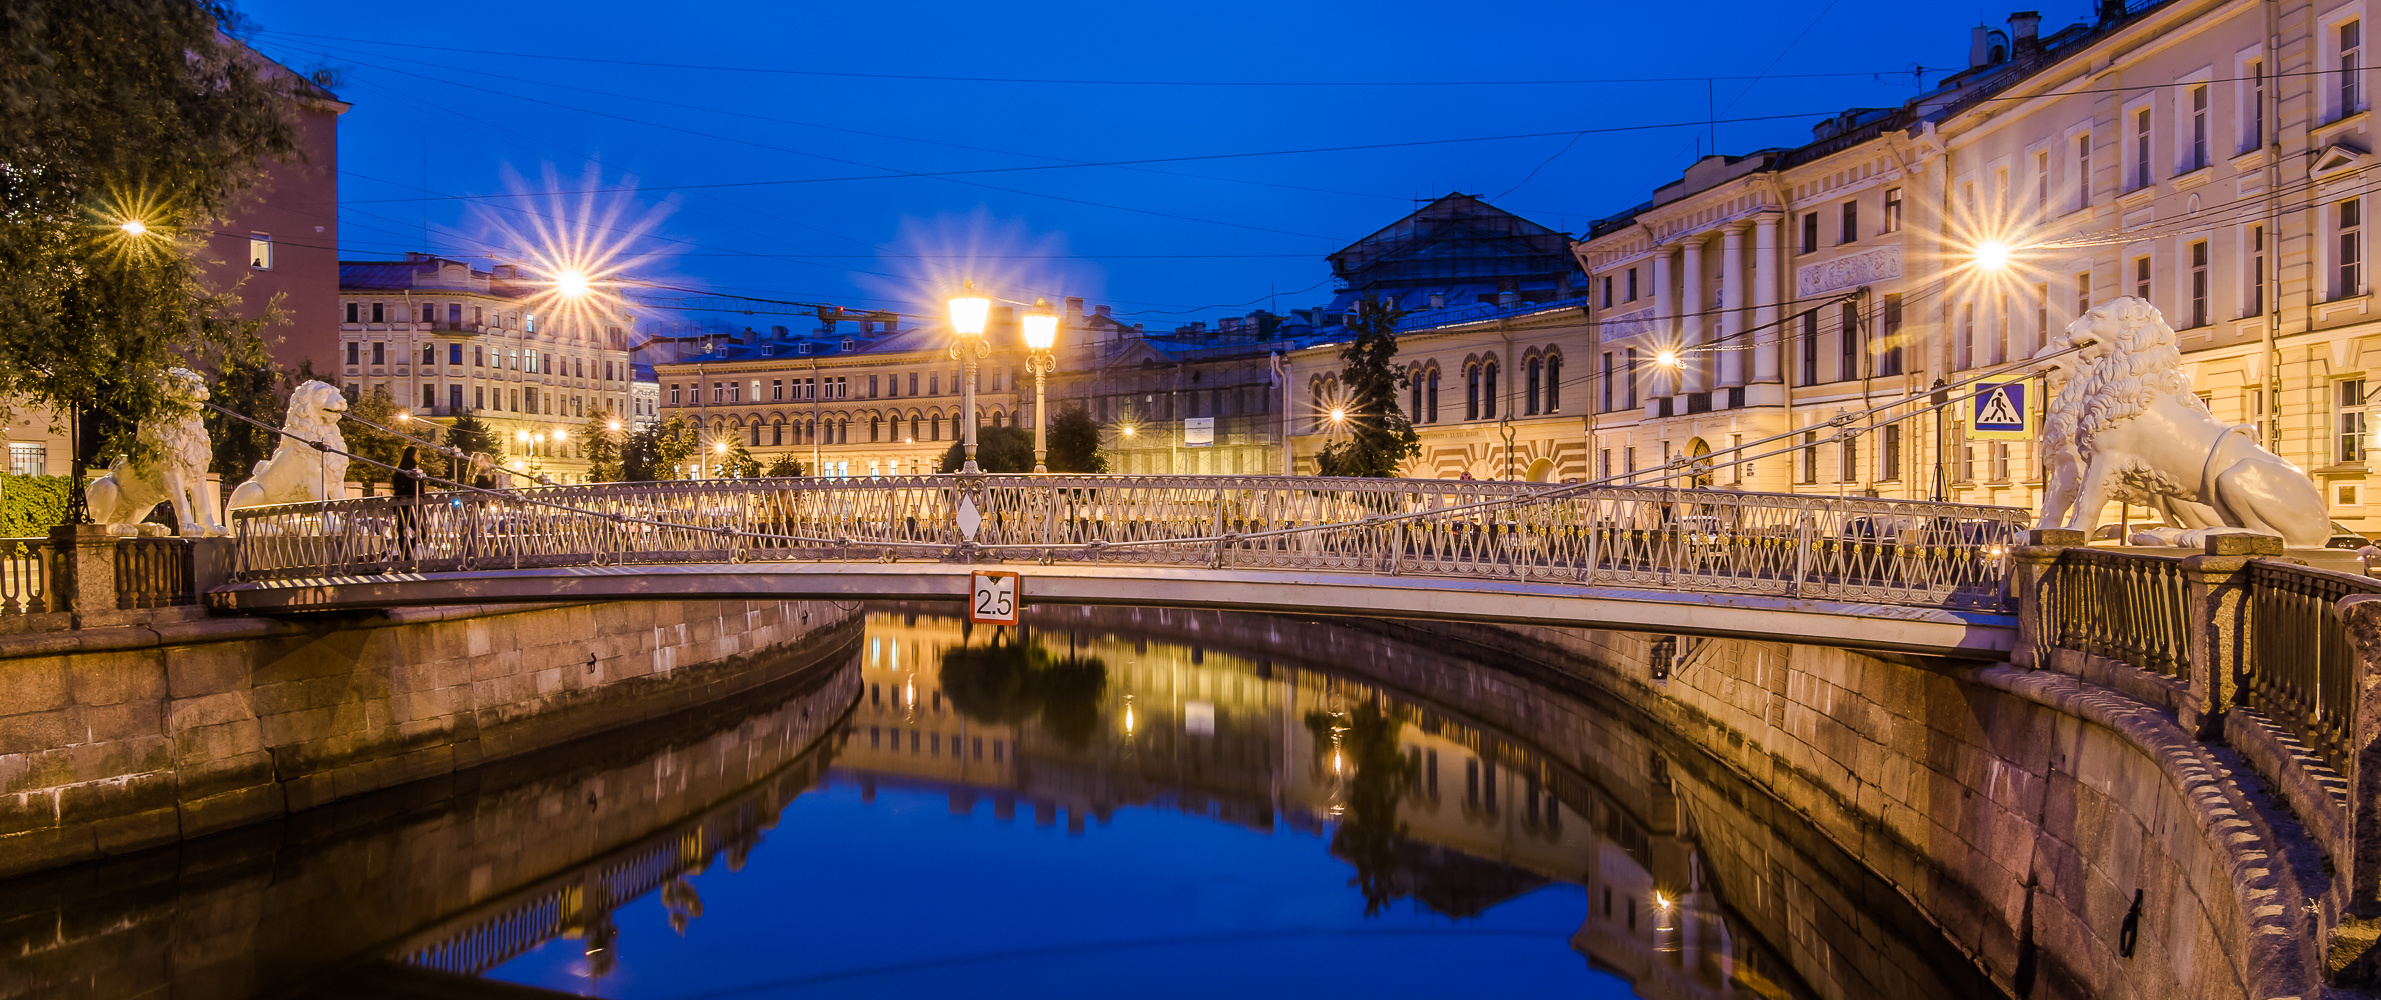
x: 1980, y: 46
x: 2112, y: 11
x: 1104, y: 310
x: 1074, y: 305
x: 2025, y: 27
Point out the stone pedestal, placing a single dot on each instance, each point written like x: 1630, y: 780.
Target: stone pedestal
x: 2220, y: 621
x: 83, y: 571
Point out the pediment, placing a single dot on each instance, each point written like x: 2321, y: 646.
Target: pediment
x: 2335, y: 158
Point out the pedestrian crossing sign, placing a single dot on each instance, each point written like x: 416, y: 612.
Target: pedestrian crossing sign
x: 2001, y: 412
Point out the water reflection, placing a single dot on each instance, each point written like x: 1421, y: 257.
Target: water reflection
x: 1247, y: 802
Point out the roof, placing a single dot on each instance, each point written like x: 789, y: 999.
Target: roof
x: 1457, y: 238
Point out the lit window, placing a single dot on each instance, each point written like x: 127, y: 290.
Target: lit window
x: 2351, y: 245
x: 260, y: 251
x: 2351, y: 420
x: 28, y: 458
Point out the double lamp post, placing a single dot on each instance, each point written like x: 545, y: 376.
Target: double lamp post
x: 969, y: 311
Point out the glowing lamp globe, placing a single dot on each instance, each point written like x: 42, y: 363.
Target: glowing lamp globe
x: 1666, y: 359
x: 571, y: 283
x: 1339, y: 415
x: 968, y: 312
x: 1992, y: 255
x: 1041, y: 326
x: 134, y: 226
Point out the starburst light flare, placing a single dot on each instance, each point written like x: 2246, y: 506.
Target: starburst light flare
x: 574, y: 252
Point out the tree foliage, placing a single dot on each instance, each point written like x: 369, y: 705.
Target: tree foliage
x: 1369, y: 831
x: 1380, y: 438
x: 658, y: 451
x: 736, y: 463
x: 367, y: 442
x: 785, y: 466
x: 31, y: 505
x: 998, y: 449
x: 472, y: 436
x: 1075, y: 443
x: 1009, y: 682
x: 246, y: 382
x: 600, y: 445
x: 129, y: 110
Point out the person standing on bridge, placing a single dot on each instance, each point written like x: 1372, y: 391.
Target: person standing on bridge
x: 406, y: 487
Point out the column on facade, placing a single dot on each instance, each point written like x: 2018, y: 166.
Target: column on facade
x: 1732, y: 315
x: 1768, y: 355
x: 1665, y: 310
x: 1693, y: 302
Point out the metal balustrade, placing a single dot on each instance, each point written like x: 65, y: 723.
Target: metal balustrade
x: 2304, y: 674
x: 2124, y: 606
x: 1833, y: 548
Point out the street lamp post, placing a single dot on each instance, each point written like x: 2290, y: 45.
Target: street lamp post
x: 968, y: 312
x: 1041, y: 339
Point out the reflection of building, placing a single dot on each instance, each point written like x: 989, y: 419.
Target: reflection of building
x: 442, y: 338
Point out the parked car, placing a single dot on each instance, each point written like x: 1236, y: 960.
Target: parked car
x: 2342, y: 537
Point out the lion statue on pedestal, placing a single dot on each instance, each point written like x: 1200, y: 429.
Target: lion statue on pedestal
x: 298, y: 472
x: 2126, y: 426
x: 175, y: 470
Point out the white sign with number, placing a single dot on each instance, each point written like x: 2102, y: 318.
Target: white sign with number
x: 994, y: 597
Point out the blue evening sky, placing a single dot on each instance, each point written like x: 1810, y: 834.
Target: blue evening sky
x: 1164, y: 242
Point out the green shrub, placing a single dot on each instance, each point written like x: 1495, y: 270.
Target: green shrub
x: 31, y: 505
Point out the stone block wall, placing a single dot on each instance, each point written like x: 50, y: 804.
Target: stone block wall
x: 2021, y: 810
x: 117, y: 739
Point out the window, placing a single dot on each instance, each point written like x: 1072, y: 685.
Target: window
x: 1810, y: 456
x: 1810, y: 232
x: 2198, y: 156
x: 1893, y: 210
x: 1889, y: 458
x: 2042, y: 182
x: 1889, y: 356
x: 673, y: 394
x: 1964, y: 353
x: 1628, y: 380
x: 429, y: 313
x: 2141, y: 148
x: 2199, y: 315
x: 376, y: 313
x: 2351, y: 243
x: 2351, y: 49
x: 1554, y: 383
x: 1998, y: 350
x: 1849, y: 232
x: 429, y: 354
x: 1848, y: 342
x: 2000, y: 191
x: 260, y: 251
x: 1415, y: 406
x: 479, y: 397
x: 1606, y: 404
x: 1628, y: 457
x: 2351, y: 420
x: 351, y: 310
x: 28, y: 458
x: 1488, y: 391
x: 454, y: 354
x: 454, y: 313
x: 2083, y: 293
x: 1607, y: 291
x: 1471, y: 392
x: 2141, y: 277
x: 2000, y: 461
x: 454, y: 396
x: 2255, y: 293
x: 1529, y: 392
x: 1430, y: 398
x: 1604, y: 463
x: 933, y: 384
x: 380, y: 352
x: 352, y: 347
x: 1632, y: 284
x: 2083, y: 170
x: 2254, y: 116
x: 1810, y: 347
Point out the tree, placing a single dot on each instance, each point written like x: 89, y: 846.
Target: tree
x: 471, y: 436
x: 111, y: 114
x: 785, y: 467
x: 367, y: 442
x: 737, y: 463
x: 601, y: 447
x: 1075, y: 443
x: 1370, y: 831
x: 659, y: 451
x: 998, y: 449
x: 244, y: 382
x: 1380, y: 438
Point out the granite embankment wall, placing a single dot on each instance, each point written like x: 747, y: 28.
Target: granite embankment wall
x: 116, y: 739
x: 2073, y: 841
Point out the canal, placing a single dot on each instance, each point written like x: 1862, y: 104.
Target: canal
x: 1109, y: 801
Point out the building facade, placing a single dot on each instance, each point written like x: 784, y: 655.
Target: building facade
x: 2207, y: 158
x: 441, y: 338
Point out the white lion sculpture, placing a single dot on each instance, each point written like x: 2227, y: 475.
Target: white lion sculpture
x: 298, y: 472
x: 2126, y: 426
x: 176, y: 470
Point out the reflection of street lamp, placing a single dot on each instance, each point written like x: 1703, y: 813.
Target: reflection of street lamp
x: 1041, y: 336
x: 968, y: 312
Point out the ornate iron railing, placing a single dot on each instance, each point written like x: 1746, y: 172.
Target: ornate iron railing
x: 154, y: 573
x: 2304, y: 674
x: 2124, y: 606
x: 25, y: 577
x: 1854, y: 549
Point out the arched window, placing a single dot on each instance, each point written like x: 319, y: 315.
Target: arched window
x: 756, y: 433
x: 896, y: 427
x: 1529, y: 391
x: 1471, y: 392
x: 777, y: 432
x: 1414, y: 408
x: 843, y: 430
x: 997, y: 416
x: 937, y: 436
x: 1554, y: 383
x: 1430, y: 399
x: 1488, y: 390
x: 876, y: 426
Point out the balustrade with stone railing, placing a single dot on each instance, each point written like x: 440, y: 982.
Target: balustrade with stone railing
x: 2245, y: 646
x: 82, y: 577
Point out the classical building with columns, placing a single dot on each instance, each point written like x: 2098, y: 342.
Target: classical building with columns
x: 2210, y: 159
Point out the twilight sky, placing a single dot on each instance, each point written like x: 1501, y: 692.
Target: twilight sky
x: 756, y: 95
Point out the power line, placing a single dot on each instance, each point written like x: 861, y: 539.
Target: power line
x: 781, y: 71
